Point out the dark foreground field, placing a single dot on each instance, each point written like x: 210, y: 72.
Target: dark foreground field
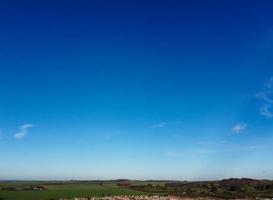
x: 61, y: 190
x: 223, y: 189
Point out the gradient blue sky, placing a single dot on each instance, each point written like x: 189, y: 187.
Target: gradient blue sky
x: 136, y: 89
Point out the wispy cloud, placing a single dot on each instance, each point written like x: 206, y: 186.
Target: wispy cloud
x: 175, y: 154
x: 266, y: 98
x: 202, y: 142
x: 239, y: 128
x: 205, y: 142
x: 109, y: 135
x: 203, y: 152
x: 165, y: 124
x: 23, y: 131
x: 269, y: 83
x: 265, y: 111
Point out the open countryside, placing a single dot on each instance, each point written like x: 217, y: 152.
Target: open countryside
x: 137, y: 190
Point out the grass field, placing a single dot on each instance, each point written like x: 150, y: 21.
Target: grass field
x: 62, y: 190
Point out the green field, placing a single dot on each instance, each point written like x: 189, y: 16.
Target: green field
x: 63, y: 190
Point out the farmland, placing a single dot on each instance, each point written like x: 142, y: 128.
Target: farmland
x: 56, y: 190
x: 222, y: 189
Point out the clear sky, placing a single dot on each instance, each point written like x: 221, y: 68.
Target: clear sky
x: 136, y: 89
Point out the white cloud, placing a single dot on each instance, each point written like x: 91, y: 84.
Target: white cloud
x: 267, y: 100
x: 109, y: 135
x: 204, y: 142
x: 165, y: 124
x: 264, y: 110
x: 160, y: 125
x: 23, y: 131
x: 264, y: 96
x: 204, y: 152
x: 269, y: 83
x: 175, y: 154
x: 239, y: 128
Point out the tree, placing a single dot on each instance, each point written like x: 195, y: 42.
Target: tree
x: 214, y: 189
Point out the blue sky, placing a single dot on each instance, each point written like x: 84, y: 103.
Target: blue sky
x: 136, y: 89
